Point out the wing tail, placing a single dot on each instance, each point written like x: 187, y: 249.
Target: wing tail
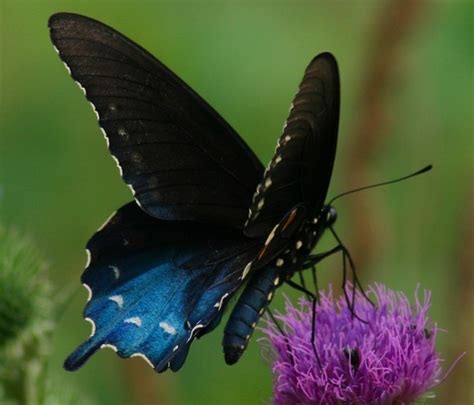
x: 79, y: 356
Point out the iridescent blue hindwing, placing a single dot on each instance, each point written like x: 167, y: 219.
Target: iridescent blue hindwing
x: 154, y: 285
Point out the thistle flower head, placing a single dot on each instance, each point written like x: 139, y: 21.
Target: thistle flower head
x: 391, y: 359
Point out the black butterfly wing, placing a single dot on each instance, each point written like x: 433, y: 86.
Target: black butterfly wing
x: 300, y: 171
x: 181, y: 159
x: 155, y: 285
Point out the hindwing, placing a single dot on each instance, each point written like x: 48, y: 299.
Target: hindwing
x: 155, y: 285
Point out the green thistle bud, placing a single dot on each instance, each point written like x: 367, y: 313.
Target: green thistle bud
x: 23, y: 288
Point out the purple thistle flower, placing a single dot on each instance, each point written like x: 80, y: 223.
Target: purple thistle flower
x: 391, y: 359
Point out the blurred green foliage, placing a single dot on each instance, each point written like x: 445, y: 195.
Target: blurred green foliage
x: 58, y: 183
x: 25, y: 319
x: 28, y: 312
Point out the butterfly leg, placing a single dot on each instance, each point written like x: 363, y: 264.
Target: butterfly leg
x: 346, y: 256
x: 315, y: 283
x: 282, y: 332
x: 315, y: 259
x: 314, y: 301
x: 303, y: 283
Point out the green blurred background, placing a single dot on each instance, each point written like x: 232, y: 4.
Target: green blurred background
x: 406, y: 72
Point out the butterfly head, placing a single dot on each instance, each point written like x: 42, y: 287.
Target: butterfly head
x: 320, y: 223
x: 330, y: 215
x: 326, y: 218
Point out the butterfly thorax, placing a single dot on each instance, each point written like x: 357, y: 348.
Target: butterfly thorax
x: 301, y: 245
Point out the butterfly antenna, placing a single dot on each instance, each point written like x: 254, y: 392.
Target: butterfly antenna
x: 421, y: 171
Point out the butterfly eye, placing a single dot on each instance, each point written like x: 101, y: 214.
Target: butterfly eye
x: 331, y: 215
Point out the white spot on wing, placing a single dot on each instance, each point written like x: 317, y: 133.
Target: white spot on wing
x: 280, y: 262
x: 81, y: 87
x: 133, y: 192
x: 175, y: 348
x: 136, y: 199
x: 268, y: 182
x: 88, y: 262
x: 246, y: 271
x: 109, y: 346
x: 260, y: 204
x: 271, y: 235
x: 118, y: 299
x: 92, y: 325
x: 135, y: 156
x: 105, y: 137
x: 167, y: 328
x: 89, y: 291
x: 116, y: 271
x: 106, y: 222
x: 135, y: 320
x: 64, y: 63
x: 278, y: 159
x: 118, y: 165
x: 196, y: 327
x: 218, y: 305
x: 95, y: 111
x: 299, y: 244
x: 144, y: 358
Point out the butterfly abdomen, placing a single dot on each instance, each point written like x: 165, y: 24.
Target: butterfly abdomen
x: 252, y: 303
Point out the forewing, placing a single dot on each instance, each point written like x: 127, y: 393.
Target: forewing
x: 154, y: 285
x: 181, y: 159
x: 301, y: 168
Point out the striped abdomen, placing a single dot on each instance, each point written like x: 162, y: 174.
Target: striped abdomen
x: 251, y: 305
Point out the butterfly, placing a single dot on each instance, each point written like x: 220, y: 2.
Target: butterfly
x: 208, y: 221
